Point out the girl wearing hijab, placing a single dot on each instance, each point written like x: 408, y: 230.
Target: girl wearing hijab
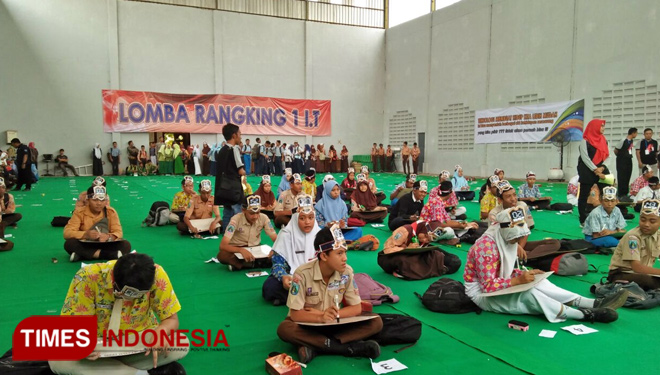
x: 197, y: 157
x: 320, y: 158
x: 206, y: 163
x: 492, y: 265
x: 265, y: 191
x: 461, y: 186
x: 457, y: 212
x: 332, y: 210
x: 178, y: 159
x: 34, y: 154
x: 365, y: 205
x: 350, y: 183
x: 333, y: 160
x: 97, y: 160
x: 293, y: 247
x: 308, y: 156
x: 344, y: 159
x: 284, y: 182
x: 166, y: 159
x: 593, y: 153
x: 212, y: 153
x: 309, y: 183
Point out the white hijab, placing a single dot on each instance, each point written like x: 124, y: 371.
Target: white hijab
x: 508, y: 251
x: 294, y: 245
x: 97, y: 151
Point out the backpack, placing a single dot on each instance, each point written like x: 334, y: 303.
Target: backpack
x: 372, y: 291
x: 419, y: 265
x: 567, y: 264
x: 255, y: 151
x: 448, y: 296
x: 11, y: 367
x: 637, y: 299
x: 159, y: 215
x: 398, y: 329
x: 60, y: 221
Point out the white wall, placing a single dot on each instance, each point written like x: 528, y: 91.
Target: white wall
x: 59, y: 54
x: 485, y: 53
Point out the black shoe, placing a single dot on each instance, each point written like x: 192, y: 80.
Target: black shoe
x: 173, y: 368
x: 306, y: 354
x: 613, y: 301
x: 600, y: 315
x: 366, y: 349
x: 27, y: 189
x: 277, y: 302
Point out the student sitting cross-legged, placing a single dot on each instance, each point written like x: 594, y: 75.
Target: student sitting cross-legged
x: 318, y: 290
x: 438, y: 209
x: 294, y: 247
x: 82, y: 198
x: 402, y: 189
x: 408, y: 208
x: 638, y: 250
x: 332, y: 210
x: 286, y: 203
x: 244, y: 230
x: 364, y: 204
x: 530, y: 193
x: 652, y: 191
x: 132, y: 293
x: 94, y: 231
x: 181, y: 200
x: 456, y: 212
x: 461, y: 185
x: 604, y: 221
x: 200, y: 207
x: 492, y: 265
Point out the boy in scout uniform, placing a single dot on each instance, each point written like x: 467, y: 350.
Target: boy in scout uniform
x: 200, y: 207
x: 244, y: 230
x: 94, y: 231
x: 286, y: 204
x: 316, y: 291
x: 638, y: 250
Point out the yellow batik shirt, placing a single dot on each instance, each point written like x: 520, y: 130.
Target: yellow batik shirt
x: 181, y: 201
x: 91, y: 293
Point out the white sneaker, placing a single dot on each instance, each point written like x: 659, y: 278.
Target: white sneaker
x: 230, y: 268
x: 119, y: 254
x: 74, y: 257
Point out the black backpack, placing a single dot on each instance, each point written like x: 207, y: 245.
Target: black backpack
x: 159, y: 215
x: 448, y: 296
x: 398, y: 329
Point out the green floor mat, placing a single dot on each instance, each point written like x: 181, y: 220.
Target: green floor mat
x: 214, y: 298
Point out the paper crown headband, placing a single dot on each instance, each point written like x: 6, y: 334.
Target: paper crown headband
x: 253, y: 203
x: 205, y: 185
x: 651, y: 207
x: 265, y: 179
x: 99, y: 193
x: 338, y: 241
x: 305, y: 204
x: 609, y: 193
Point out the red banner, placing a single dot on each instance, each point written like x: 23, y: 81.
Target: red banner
x: 139, y: 111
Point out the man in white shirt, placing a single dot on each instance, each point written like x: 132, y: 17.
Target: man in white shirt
x: 246, y: 151
x: 652, y: 191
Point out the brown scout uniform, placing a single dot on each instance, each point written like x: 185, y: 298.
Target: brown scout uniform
x: 308, y: 290
x: 243, y: 234
x: 635, y: 246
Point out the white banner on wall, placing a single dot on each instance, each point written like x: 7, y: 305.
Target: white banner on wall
x: 532, y: 123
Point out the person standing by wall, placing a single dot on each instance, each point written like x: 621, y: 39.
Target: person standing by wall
x: 374, y: 157
x: 132, y: 157
x: 114, y: 156
x: 593, y: 153
x: 624, y: 155
x: 229, y: 170
x: 97, y: 160
x: 647, y: 153
x: 415, y: 157
x: 405, y: 155
x: 247, y: 156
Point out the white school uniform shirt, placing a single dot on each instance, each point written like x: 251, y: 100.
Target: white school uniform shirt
x: 646, y: 193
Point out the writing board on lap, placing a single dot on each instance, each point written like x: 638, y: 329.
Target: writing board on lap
x: 259, y: 252
x: 519, y: 288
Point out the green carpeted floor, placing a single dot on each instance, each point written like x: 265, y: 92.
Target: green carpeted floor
x: 214, y: 298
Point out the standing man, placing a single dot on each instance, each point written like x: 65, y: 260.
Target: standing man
x: 277, y: 159
x: 23, y: 165
x: 390, y: 159
x: 247, y: 156
x: 374, y: 157
x: 624, y: 155
x: 381, y: 157
x: 132, y: 157
x: 114, y: 158
x: 405, y: 155
x: 229, y: 168
x: 415, y: 156
x: 256, y: 157
x: 648, y: 151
